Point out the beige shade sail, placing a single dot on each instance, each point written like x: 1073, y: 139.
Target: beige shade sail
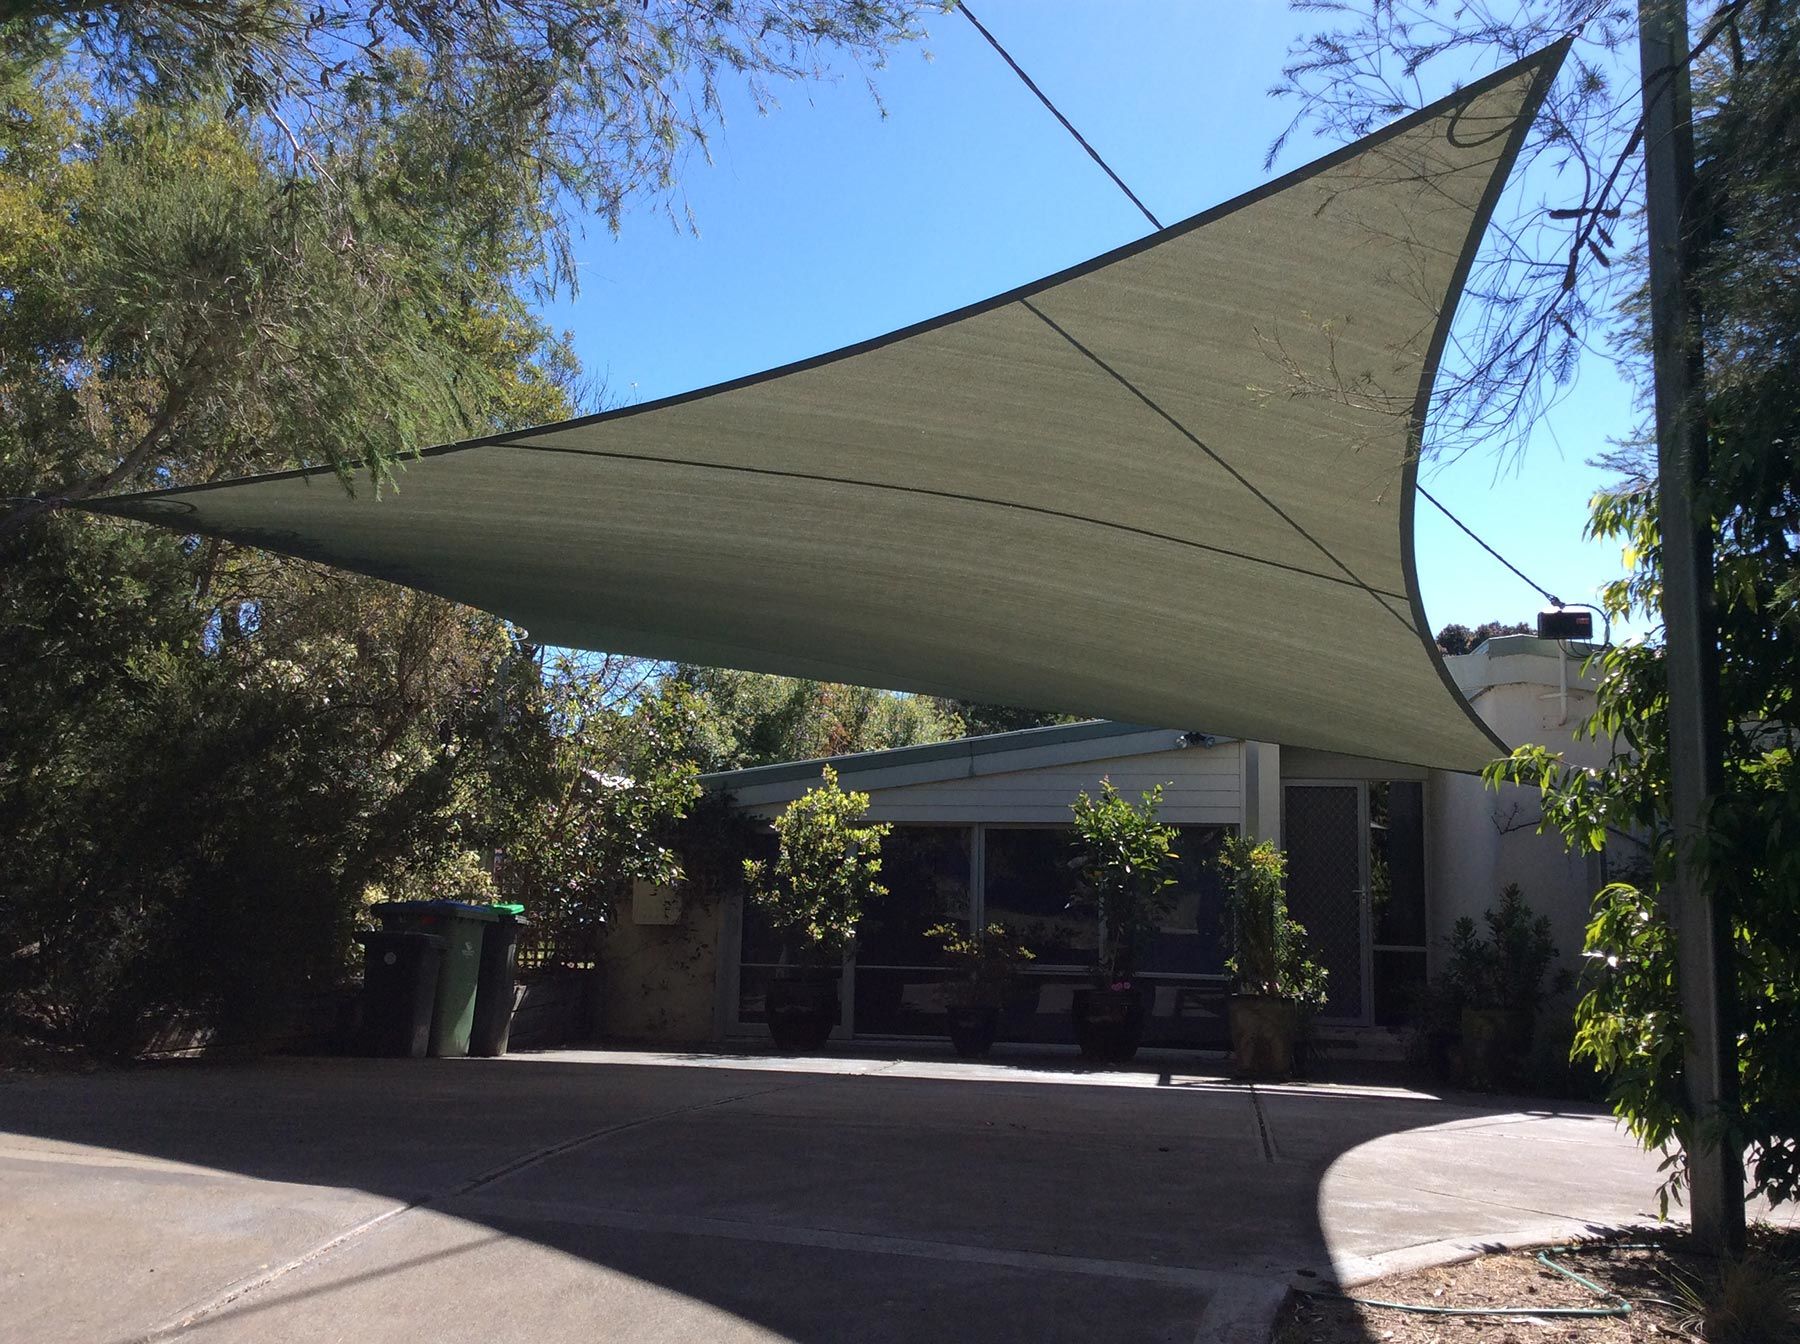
x: 1172, y: 485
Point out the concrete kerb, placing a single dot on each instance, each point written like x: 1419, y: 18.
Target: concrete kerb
x: 1245, y: 1312
x: 1355, y: 1271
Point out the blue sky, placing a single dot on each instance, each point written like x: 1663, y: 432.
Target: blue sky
x: 825, y: 222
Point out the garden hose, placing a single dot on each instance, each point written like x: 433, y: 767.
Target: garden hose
x: 1619, y: 1307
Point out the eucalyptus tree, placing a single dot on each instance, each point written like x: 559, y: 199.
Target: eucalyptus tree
x: 1565, y: 275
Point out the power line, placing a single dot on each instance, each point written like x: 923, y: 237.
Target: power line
x: 1068, y: 126
x: 1119, y: 182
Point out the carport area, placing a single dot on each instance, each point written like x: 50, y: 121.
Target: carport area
x: 655, y: 1197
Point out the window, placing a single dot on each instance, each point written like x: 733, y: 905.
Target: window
x: 1030, y: 884
x: 898, y: 969
x: 1397, y: 896
x: 1192, y: 938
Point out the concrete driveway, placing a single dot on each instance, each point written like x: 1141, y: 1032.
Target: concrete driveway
x: 642, y: 1197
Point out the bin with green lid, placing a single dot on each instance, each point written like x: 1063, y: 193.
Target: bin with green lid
x: 462, y: 925
x: 497, y: 994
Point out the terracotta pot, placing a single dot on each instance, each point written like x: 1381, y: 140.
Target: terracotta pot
x: 802, y: 1011
x: 1109, y: 1023
x: 1264, y: 1032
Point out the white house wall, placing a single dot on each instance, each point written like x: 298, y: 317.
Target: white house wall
x: 1202, y: 785
x: 1480, y: 839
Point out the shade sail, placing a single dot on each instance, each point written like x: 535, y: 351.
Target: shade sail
x: 1171, y: 485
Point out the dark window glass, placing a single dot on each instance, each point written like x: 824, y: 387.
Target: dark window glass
x: 1030, y: 885
x: 1399, y: 985
x: 897, y: 1001
x: 1397, y: 862
x: 1191, y: 940
x: 759, y: 945
x: 926, y: 872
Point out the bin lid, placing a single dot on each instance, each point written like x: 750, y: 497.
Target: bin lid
x: 446, y: 909
x: 370, y: 937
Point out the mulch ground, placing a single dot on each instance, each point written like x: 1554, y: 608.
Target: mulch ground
x: 1659, y: 1284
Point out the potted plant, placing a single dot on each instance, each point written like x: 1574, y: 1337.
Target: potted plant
x: 1275, y: 985
x: 1125, y: 860
x: 984, y: 961
x: 1495, y: 985
x: 827, y: 867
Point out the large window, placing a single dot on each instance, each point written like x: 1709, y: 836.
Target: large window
x: 898, y: 970
x: 1191, y: 940
x: 1030, y: 886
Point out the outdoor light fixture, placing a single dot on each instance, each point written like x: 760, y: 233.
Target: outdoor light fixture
x: 1565, y: 623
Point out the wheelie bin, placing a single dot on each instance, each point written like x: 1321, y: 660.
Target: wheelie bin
x: 400, y: 980
x: 462, y: 926
x: 495, y: 995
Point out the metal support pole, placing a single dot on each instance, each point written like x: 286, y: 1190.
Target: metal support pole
x: 1702, y: 927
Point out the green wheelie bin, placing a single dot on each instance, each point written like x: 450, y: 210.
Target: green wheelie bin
x: 497, y: 992
x: 462, y: 925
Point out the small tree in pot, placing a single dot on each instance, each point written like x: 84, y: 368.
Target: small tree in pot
x: 826, y: 869
x: 984, y: 961
x: 1496, y: 986
x: 1274, y: 983
x: 1125, y: 859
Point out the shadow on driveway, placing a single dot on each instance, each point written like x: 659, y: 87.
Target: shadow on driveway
x: 609, y: 1195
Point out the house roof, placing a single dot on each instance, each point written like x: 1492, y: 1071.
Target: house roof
x: 1150, y: 487
x: 960, y: 757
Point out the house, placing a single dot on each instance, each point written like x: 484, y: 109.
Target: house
x: 1383, y: 857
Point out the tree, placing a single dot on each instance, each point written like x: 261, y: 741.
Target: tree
x: 978, y: 717
x: 1533, y: 314
x: 602, y: 811
x: 826, y: 870
x: 753, y: 718
x: 1125, y: 860
x: 1457, y: 639
x: 214, y: 754
x: 193, y: 312
x: 599, y: 100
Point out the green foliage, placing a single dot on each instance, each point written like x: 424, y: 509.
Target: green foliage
x: 1268, y: 946
x: 987, y: 957
x: 1455, y: 639
x: 585, y: 103
x: 1507, y: 968
x: 1749, y: 1299
x: 194, y: 313
x: 753, y: 718
x: 1125, y: 863
x: 979, y: 718
x: 602, y: 808
x: 827, y: 869
x: 1630, y: 1020
x: 1542, y: 301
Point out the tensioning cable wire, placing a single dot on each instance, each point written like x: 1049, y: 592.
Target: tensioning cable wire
x: 1056, y: 112
x: 1119, y: 182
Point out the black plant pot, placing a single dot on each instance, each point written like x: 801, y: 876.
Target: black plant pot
x: 972, y: 1028
x: 802, y: 1011
x: 1109, y: 1023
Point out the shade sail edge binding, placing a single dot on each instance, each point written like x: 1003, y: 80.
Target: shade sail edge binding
x: 1081, y: 494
